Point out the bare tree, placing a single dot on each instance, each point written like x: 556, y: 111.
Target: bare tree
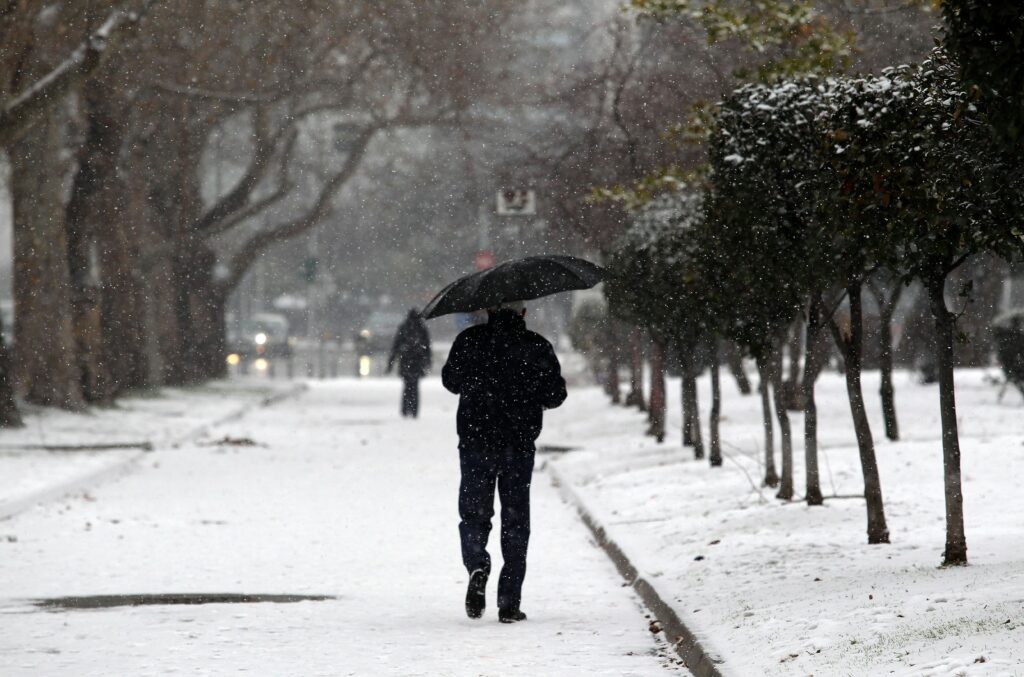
x: 45, y: 57
x: 145, y: 230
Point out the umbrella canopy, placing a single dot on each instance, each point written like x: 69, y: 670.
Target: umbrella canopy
x: 521, y: 280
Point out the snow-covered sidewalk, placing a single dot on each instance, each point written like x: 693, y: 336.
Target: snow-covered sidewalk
x: 58, y: 451
x: 339, y: 497
x: 783, y: 589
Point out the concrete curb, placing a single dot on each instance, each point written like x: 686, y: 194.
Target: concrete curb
x: 267, y: 401
x: 123, y: 466
x: 698, y: 658
x: 91, y: 478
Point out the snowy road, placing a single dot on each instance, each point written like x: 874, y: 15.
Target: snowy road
x: 340, y: 497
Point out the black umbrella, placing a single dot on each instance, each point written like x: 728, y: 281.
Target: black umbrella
x: 522, y: 280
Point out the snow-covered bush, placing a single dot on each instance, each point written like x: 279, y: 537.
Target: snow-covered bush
x: 653, y: 284
x: 657, y: 285
x: 756, y: 239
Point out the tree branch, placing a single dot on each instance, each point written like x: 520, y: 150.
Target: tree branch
x: 252, y: 209
x: 631, y: 142
x: 830, y: 306
x: 21, y: 112
x: 320, y: 209
x: 956, y: 263
x: 238, y: 197
x: 217, y: 95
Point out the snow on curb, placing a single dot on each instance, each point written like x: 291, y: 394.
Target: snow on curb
x: 238, y: 413
x: 691, y: 644
x: 115, y: 468
x: 122, y: 465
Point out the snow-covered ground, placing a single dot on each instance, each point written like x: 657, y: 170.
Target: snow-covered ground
x: 783, y: 589
x: 52, y: 450
x: 340, y: 497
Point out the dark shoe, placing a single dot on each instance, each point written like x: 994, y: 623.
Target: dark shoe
x: 476, y: 594
x: 511, y: 615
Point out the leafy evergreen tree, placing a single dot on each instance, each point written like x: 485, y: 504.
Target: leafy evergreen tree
x: 914, y: 156
x: 987, y: 39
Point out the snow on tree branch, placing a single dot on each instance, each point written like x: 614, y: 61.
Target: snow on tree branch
x: 21, y: 112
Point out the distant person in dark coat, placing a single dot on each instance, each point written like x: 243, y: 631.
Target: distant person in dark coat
x: 411, y: 350
x: 506, y: 376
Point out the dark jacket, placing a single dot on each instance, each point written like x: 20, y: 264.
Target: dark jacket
x: 506, y: 377
x: 411, y: 348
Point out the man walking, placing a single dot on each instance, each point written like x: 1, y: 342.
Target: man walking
x: 505, y: 376
x: 412, y: 351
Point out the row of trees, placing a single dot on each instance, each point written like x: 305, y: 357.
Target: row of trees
x: 819, y: 187
x: 639, y: 117
x: 158, y: 148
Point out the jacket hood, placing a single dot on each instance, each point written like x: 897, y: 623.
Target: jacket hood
x: 506, y: 321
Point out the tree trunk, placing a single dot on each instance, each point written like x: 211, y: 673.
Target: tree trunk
x: 694, y: 407
x: 612, y: 377
x: 715, y: 455
x: 209, y: 308
x: 886, y: 390
x: 734, y: 359
x: 635, y: 398
x: 137, y: 275
x: 690, y: 410
x: 684, y: 396
x: 45, y: 361
x: 126, y: 332
x: 956, y: 540
x: 94, y: 203
x: 684, y: 401
x: 182, y: 364
x: 657, y: 399
x: 820, y: 358
x: 887, y: 302
x: 200, y: 304
x: 161, y: 278
x: 172, y: 161
x: 792, y: 383
x: 88, y: 334
x: 810, y: 376
x: 785, y: 433
x: 853, y: 347
x: 771, y: 478
x: 10, y: 417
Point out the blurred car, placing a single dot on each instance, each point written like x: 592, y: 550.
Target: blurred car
x: 374, y: 339
x: 264, y: 335
x: 378, y: 332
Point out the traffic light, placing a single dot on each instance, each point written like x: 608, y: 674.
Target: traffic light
x: 308, y: 269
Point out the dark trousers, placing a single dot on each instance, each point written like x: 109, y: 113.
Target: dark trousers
x: 411, y: 396
x: 510, y: 470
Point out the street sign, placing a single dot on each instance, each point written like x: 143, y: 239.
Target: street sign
x: 483, y: 260
x: 517, y: 203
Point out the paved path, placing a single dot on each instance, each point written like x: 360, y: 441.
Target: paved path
x: 340, y: 497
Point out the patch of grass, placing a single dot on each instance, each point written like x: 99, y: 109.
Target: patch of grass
x: 896, y: 641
